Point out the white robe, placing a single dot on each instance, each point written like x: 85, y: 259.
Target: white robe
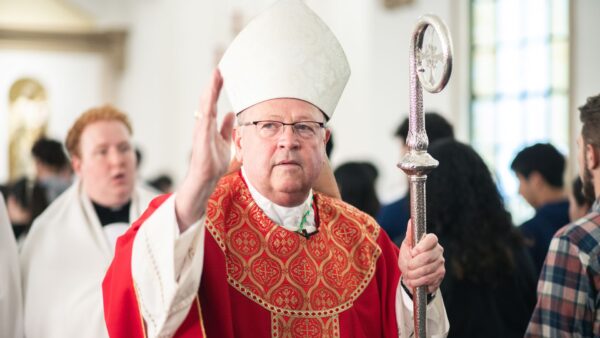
x: 63, y: 262
x: 11, y: 308
x: 166, y: 267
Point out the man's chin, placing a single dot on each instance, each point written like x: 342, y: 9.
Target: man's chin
x: 289, y: 197
x: 122, y: 194
x: 292, y: 187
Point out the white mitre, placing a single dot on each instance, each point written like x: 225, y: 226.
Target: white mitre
x: 285, y: 52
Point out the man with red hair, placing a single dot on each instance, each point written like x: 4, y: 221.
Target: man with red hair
x: 71, y: 244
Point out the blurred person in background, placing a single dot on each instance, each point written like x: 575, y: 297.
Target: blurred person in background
x: 489, y: 288
x: 540, y: 169
x: 11, y: 306
x: 356, y: 181
x: 28, y: 198
x: 393, y: 217
x: 162, y: 183
x: 53, y: 171
x: 71, y: 244
x: 25, y: 201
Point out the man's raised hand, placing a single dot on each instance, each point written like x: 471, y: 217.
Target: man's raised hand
x: 211, y: 150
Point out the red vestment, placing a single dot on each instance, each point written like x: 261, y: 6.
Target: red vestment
x: 260, y: 280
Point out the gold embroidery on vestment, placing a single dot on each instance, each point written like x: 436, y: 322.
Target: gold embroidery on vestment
x: 304, y: 283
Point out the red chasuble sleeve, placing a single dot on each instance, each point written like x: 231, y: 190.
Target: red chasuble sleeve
x: 388, y: 277
x: 121, y: 308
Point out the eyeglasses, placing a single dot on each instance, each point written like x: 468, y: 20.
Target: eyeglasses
x: 269, y: 129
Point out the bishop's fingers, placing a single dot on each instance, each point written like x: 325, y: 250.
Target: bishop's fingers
x: 208, y: 102
x: 427, y: 243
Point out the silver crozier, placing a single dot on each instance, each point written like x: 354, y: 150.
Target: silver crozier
x: 430, y: 68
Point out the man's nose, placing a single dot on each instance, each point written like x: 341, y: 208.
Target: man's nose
x: 116, y: 157
x: 288, y: 138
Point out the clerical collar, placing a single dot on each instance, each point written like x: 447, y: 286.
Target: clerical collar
x: 300, y: 219
x: 112, y: 215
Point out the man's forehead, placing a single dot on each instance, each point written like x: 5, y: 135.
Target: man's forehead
x: 283, y: 108
x: 103, y: 126
x: 104, y: 131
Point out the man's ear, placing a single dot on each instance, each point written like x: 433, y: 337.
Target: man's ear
x: 591, y: 156
x: 536, y: 179
x: 237, y: 142
x: 76, y: 164
x: 327, y: 135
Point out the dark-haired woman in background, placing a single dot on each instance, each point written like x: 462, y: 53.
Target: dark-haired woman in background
x: 489, y: 288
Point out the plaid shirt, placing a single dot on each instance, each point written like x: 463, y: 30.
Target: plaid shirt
x: 569, y: 287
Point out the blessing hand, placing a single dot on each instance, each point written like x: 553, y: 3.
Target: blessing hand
x: 211, y: 150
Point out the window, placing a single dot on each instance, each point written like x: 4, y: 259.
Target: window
x: 519, y: 84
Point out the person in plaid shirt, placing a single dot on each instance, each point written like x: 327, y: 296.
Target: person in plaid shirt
x: 569, y: 286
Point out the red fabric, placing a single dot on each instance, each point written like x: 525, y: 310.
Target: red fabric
x: 121, y: 309
x: 229, y: 313
x: 264, y: 266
